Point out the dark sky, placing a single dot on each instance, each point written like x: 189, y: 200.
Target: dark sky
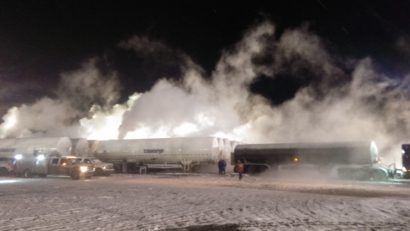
x: 41, y: 39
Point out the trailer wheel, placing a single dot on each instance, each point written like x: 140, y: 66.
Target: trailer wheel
x: 27, y: 173
x: 99, y: 172
x: 75, y: 175
x: 3, y: 171
x: 379, y: 174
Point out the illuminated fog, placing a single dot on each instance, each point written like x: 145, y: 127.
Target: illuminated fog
x: 349, y: 100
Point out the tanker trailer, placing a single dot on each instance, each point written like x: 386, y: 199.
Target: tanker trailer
x: 352, y: 160
x: 60, y: 145
x: 81, y: 147
x: 160, y: 153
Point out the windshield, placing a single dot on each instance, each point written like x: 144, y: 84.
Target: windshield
x: 96, y: 161
x: 75, y: 161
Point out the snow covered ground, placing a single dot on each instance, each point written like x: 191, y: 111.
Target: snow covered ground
x: 201, y: 202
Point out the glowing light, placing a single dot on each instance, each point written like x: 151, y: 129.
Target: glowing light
x: 143, y: 132
x: 295, y: 159
x: 10, y: 123
x: 185, y: 129
x: 18, y: 157
x: 7, y: 181
x: 204, y: 120
x: 83, y: 169
x: 40, y: 157
x: 10, y: 119
x: 104, y: 124
x: 374, y: 152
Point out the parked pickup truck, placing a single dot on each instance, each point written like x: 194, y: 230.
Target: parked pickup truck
x: 38, y: 164
x: 101, y: 168
x: 6, y: 166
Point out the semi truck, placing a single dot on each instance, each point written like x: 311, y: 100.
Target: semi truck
x: 349, y: 160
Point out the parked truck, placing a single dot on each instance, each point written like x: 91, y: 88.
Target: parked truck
x: 43, y: 164
x: 100, y: 168
x: 349, y: 160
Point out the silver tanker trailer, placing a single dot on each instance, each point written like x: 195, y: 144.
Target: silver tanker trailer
x: 184, y: 153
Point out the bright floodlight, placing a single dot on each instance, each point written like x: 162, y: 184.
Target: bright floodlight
x: 18, y: 157
x: 83, y: 169
x: 41, y: 157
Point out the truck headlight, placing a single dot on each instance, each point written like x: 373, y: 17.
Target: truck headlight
x: 83, y: 169
x: 18, y: 157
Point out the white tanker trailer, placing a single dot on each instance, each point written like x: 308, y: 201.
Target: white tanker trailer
x: 60, y: 145
x: 184, y: 152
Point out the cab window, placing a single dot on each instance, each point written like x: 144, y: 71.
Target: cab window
x: 54, y: 161
x: 87, y: 161
x: 64, y: 162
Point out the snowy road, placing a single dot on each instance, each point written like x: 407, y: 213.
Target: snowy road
x: 200, y: 202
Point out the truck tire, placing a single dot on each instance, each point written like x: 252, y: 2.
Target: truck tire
x: 379, y: 175
x: 75, y: 175
x: 3, y: 171
x: 27, y: 173
x: 99, y: 172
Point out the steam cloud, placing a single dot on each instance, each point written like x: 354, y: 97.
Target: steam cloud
x: 59, y: 117
x: 347, y: 101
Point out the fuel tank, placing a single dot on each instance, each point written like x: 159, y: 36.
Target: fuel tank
x: 163, y: 150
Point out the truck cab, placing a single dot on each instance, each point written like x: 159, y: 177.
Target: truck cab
x: 100, y: 168
x: 42, y: 165
x: 7, y: 166
x: 70, y: 166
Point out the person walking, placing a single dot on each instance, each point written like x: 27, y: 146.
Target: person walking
x: 222, y: 166
x: 239, y: 168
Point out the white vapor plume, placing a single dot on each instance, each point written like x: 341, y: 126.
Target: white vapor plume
x: 88, y: 86
x: 77, y: 91
x: 339, y: 105
x: 342, y: 100
x: 196, y: 106
x: 103, y: 124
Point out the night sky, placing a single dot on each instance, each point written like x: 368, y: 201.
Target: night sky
x: 41, y: 39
